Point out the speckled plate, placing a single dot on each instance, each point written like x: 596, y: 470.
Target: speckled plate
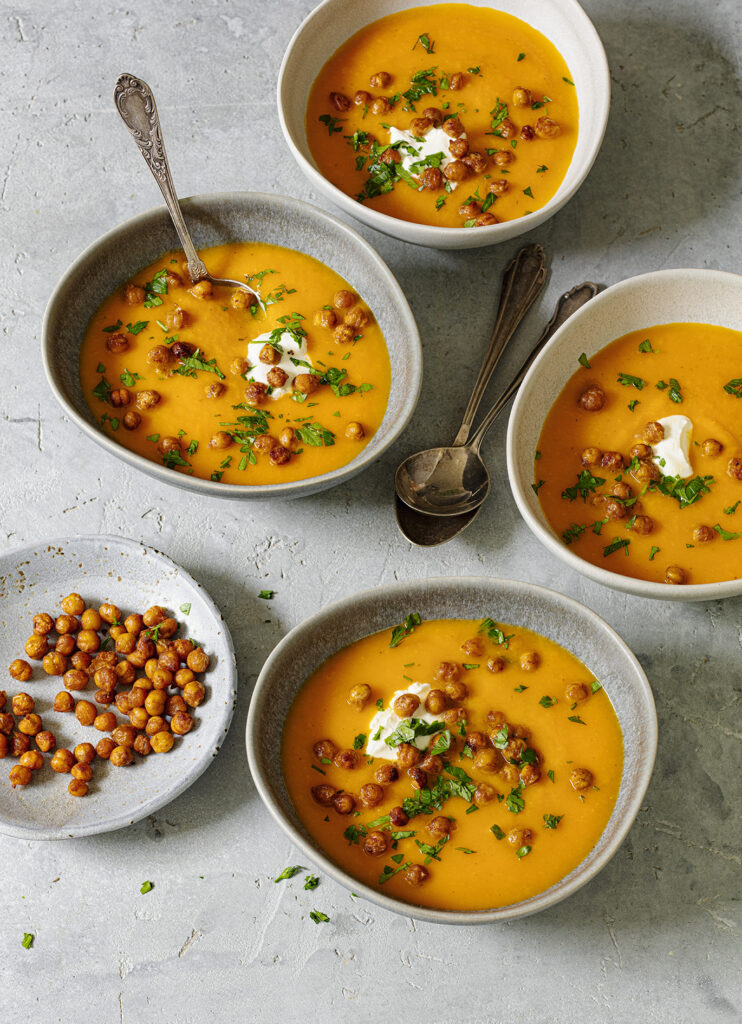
x: 35, y: 579
x: 560, y: 618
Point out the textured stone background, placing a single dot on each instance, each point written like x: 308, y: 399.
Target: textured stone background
x: 657, y: 934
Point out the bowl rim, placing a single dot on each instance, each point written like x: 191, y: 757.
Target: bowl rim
x: 429, y: 234
x: 211, y: 488
x: 259, y: 705
x: 207, y: 757
x: 607, y: 578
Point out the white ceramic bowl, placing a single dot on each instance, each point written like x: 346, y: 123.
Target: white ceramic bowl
x: 560, y: 618
x: 665, y: 296
x: 212, y: 220
x: 562, y: 21
x: 134, y: 577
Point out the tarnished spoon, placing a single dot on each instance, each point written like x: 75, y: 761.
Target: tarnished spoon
x: 459, y: 473
x: 135, y: 103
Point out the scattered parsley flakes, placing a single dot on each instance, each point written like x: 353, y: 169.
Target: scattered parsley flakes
x: 630, y: 381
x: 734, y: 387
x: 28, y: 938
x: 359, y: 741
x: 497, y: 832
x: 266, y: 595
x: 726, y: 534
x: 520, y: 57
x: 333, y: 125
x: 494, y: 633
x: 633, y: 404
x: 552, y: 820
x: 548, y: 702
x: 311, y: 882
x: 112, y: 327
x: 576, y: 719
x: 523, y: 852
x: 616, y: 544
x: 147, y: 887
x: 136, y: 328
x: 289, y: 872
x: 426, y: 42
x: 399, y: 633
x: 550, y: 773
x: 537, y: 486
x: 318, y: 917
x: 514, y: 801
x: 731, y: 509
x: 186, y: 609
x: 646, y: 346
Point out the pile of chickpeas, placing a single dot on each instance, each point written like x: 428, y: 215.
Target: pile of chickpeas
x: 488, y: 755
x: 135, y: 664
x: 464, y: 162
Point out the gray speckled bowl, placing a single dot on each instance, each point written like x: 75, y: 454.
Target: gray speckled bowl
x: 132, y: 576
x: 212, y: 220
x: 553, y: 615
x: 333, y: 22
x: 662, y: 297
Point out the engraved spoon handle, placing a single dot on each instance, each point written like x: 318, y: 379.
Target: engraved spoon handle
x: 568, y: 304
x: 521, y: 282
x: 135, y: 103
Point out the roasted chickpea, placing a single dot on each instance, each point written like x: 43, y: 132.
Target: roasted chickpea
x: 6, y: 723
x: 576, y: 692
x: 63, y: 701
x: 65, y: 644
x: 522, y: 97
x: 343, y: 335
x: 20, y: 775
x: 85, y: 712
x: 242, y: 299
x: 131, y: 420
x: 420, y: 126
x: 29, y: 725
x: 22, y: 704
x: 615, y: 510
x: 323, y: 795
x: 476, y: 740
x: 499, y: 187
x: 43, y: 624
x: 470, y: 210
x: 156, y: 724
x: 734, y: 469
x: 612, y: 461
x: 126, y: 643
x: 148, y: 399
x: 32, y: 759
x: 154, y: 702
x: 453, y: 127
x: 484, y: 794
x: 375, y: 843
x: 138, y: 717
x: 121, y: 756
x: 503, y: 157
x: 18, y: 743
x: 703, y: 534
x: 435, y: 702
x: 324, y: 750
x: 386, y: 774
x: 193, y: 694
x: 20, y: 670
x: 339, y: 101
x: 432, y: 764
x: 124, y: 735
x: 580, y: 778
x: 46, y: 740
x: 507, y: 129
x: 453, y: 716
x: 485, y: 219
x: 117, y: 343
x: 84, y: 753
x: 642, y: 525
x: 418, y: 777
x: 380, y: 105
x: 357, y: 318
x: 547, y: 128
x: 458, y: 148
x: 362, y: 98
x: 105, y: 721
x: 456, y: 170
x: 160, y: 357
x: 77, y: 788
x: 646, y: 470
x: 104, y: 747
x: 712, y: 447
x: 592, y: 399
x: 62, y: 760
x: 36, y: 647
x: 358, y: 695
x: 181, y: 723
x: 431, y: 179
x: 397, y: 817
x: 476, y: 161
x: 488, y: 760
x: 344, y: 803
x: 134, y: 295
x: 143, y: 745
x: 621, y: 490
x: 415, y: 874
x: 346, y: 759
x: 202, y: 290
x: 198, y: 660
x: 239, y: 366
x: 371, y: 794
x: 653, y: 432
x: 456, y: 691
x: 406, y: 705
x: 277, y: 377
x: 529, y: 774
x: 279, y: 456
x: 183, y: 647
x: 407, y: 755
x: 676, y: 575
x: 448, y: 671
x: 110, y: 613
x: 90, y: 619
x: 177, y: 318
x: 473, y: 647
x: 518, y: 837
x: 83, y: 772
x: 182, y: 349
x: 440, y: 826
x: 527, y: 134
x: 496, y: 665
x: 182, y: 677
x: 325, y: 318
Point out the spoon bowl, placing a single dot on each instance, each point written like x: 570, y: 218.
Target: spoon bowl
x: 443, y: 481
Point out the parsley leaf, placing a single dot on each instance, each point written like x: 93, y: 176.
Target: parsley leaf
x: 318, y: 917
x: 399, y: 633
x: 289, y: 872
x: 147, y: 887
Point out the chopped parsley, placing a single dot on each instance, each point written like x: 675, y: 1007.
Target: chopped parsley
x: 494, y: 633
x: 497, y: 832
x: 633, y: 404
x: 685, y: 492
x: 583, y: 361
x: 155, y: 289
x: 616, y: 544
x: 732, y: 387
x: 399, y: 633
x: 586, y: 483
x: 523, y: 852
x: 289, y: 872
x: 629, y: 381
x: 537, y: 486
x: 674, y: 393
x: 645, y: 346
x: 311, y: 882
x: 548, y: 702
x: 359, y: 741
x: 406, y: 732
x: 315, y: 435
x: 112, y: 327
x: 331, y: 123
x: 266, y: 595
x: 514, y: 801
x: 731, y: 509
x: 186, y: 609
x: 147, y: 887
x: 576, y: 719
x: 318, y: 917
x: 190, y: 365
x: 129, y: 379
x: 726, y: 534
x: 426, y: 42
x: 552, y: 820
x: 27, y: 941
x: 136, y: 328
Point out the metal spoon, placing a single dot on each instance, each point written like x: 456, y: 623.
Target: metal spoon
x: 135, y: 103
x: 473, y: 482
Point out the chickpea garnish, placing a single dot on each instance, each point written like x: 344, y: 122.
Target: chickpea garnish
x: 359, y: 695
x: 676, y: 575
x: 354, y: 431
x: 522, y: 97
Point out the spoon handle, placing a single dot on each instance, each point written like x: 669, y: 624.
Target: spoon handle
x: 135, y: 103
x: 568, y: 304
x: 521, y: 282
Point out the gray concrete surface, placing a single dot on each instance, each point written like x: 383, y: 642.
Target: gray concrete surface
x: 657, y: 935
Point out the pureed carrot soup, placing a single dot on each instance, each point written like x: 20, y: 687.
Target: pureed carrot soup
x: 639, y: 463
x: 451, y: 115
x: 208, y: 383
x: 453, y: 763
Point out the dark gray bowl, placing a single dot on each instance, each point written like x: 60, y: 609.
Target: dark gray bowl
x: 560, y: 618
x: 212, y: 220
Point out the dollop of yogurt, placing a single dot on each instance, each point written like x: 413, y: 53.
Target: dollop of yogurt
x: 434, y: 142
x: 385, y: 722
x: 290, y: 346
x: 672, y: 454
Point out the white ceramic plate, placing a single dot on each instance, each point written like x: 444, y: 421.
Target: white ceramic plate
x: 332, y: 23
x: 560, y: 618
x: 665, y: 296
x: 134, y: 577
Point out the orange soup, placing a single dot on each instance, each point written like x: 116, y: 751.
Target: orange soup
x: 639, y: 463
x: 454, y: 764
x: 212, y: 383
x: 451, y: 115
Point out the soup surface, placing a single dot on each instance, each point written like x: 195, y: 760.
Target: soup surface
x: 639, y: 463
x: 451, y: 115
x: 455, y: 764
x: 211, y: 385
